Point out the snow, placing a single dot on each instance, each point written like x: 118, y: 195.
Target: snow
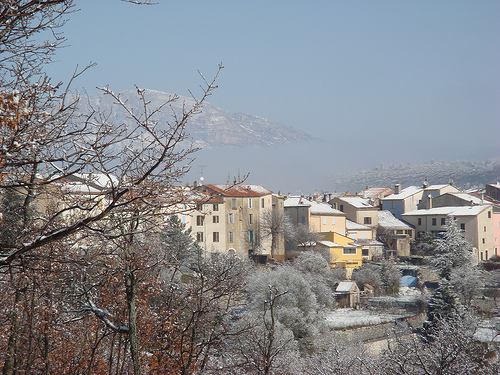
x: 358, y: 202
x: 405, y: 193
x: 450, y: 211
x: 351, y: 225
x: 387, y: 220
x: 345, y: 318
x: 344, y: 286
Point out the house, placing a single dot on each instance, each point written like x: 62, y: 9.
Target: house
x: 344, y: 252
x: 363, y: 236
x: 395, y: 234
x: 433, y: 191
x: 347, y: 294
x: 475, y: 221
x: 358, y: 209
x: 375, y: 194
x: 239, y: 212
x: 319, y: 217
x: 403, y: 200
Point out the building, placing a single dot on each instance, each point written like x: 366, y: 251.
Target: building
x: 344, y: 252
x: 319, y: 217
x: 358, y: 209
x: 403, y: 200
x: 233, y: 223
x: 362, y: 235
x: 475, y: 221
x: 395, y: 234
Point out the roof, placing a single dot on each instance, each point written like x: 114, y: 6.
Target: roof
x: 316, y: 208
x: 436, y: 187
x: 387, y: 220
x: 345, y: 286
x: 238, y: 190
x: 357, y: 201
x: 450, y: 211
x: 328, y: 244
x: 351, y: 225
x: 405, y: 193
x: 376, y: 192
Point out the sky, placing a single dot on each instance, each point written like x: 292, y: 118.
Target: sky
x: 374, y: 81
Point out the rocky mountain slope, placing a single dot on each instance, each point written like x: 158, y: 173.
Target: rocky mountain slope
x: 466, y: 174
x: 213, y: 126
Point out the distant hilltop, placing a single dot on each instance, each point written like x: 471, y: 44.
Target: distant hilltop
x: 468, y: 174
x: 212, y: 127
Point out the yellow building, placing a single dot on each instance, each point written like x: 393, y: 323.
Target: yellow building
x: 344, y: 253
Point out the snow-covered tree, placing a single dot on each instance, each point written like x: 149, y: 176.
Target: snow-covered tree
x: 390, y: 276
x: 368, y: 274
x: 452, y: 250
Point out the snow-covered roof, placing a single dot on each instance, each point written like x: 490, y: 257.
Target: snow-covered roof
x: 345, y: 286
x: 239, y: 190
x: 468, y: 197
x: 358, y: 202
x: 316, y: 208
x: 405, y: 193
x: 387, y: 220
x: 435, y: 187
x: 329, y: 244
x: 324, y: 209
x: 352, y: 225
x: 376, y: 192
x: 367, y: 242
x: 296, y: 201
x: 450, y: 211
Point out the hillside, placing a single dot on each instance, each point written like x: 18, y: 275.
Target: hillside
x: 462, y: 173
x: 212, y: 127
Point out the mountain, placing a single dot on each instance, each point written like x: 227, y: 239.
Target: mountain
x: 213, y: 126
x: 468, y: 174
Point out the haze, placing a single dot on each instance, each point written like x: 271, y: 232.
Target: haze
x: 374, y: 82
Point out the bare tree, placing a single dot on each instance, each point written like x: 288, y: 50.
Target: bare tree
x: 275, y: 224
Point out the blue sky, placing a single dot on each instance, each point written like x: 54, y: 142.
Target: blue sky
x: 419, y: 80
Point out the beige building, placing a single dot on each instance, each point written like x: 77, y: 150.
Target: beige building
x: 319, y: 217
x: 234, y: 223
x: 359, y: 210
x: 395, y: 234
x: 475, y: 221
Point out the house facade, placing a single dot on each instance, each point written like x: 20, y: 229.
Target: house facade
x: 235, y: 221
x: 475, y: 221
x: 358, y: 209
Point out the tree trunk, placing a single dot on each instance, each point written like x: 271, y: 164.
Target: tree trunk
x: 130, y: 284
x: 10, y: 360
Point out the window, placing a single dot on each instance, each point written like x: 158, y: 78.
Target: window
x: 199, y: 236
x: 216, y: 207
x: 365, y: 252
x: 462, y: 226
x: 324, y: 221
x: 199, y: 220
x: 342, y: 207
x: 333, y: 221
x: 250, y: 218
x: 368, y: 220
x: 419, y: 221
x: 443, y: 221
x: 349, y: 250
x: 489, y: 214
x: 250, y: 236
x: 233, y: 204
x: 484, y: 241
x: 250, y: 204
x: 183, y: 220
x: 230, y: 237
x: 216, y: 236
x: 262, y: 202
x: 303, y: 219
x: 353, y: 236
x: 230, y: 218
x: 434, y: 221
x: 215, y: 219
x: 363, y: 235
x: 485, y: 229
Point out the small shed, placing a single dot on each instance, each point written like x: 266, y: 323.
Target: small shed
x: 347, y: 294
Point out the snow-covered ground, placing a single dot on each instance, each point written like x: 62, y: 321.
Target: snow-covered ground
x: 345, y: 318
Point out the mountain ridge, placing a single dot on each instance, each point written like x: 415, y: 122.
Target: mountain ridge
x: 212, y: 126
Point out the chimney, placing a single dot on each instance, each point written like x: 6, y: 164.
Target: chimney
x: 430, y: 201
x: 397, y: 189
